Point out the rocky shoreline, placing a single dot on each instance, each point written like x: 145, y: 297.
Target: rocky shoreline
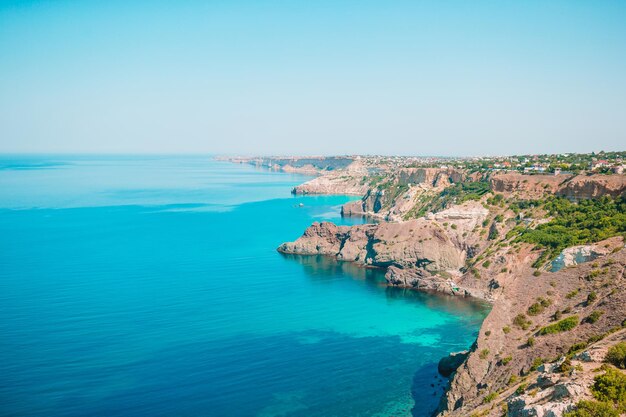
x: 431, y: 252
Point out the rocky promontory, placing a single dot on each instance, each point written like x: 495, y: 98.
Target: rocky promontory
x: 470, y: 249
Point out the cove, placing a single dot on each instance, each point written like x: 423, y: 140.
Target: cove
x: 138, y: 285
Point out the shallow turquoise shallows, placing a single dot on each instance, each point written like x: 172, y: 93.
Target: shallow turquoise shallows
x: 150, y: 286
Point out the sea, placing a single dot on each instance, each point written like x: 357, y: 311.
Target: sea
x: 134, y: 285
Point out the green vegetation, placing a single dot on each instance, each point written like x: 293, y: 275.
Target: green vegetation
x: 506, y: 329
x: 536, y: 364
x: 522, y: 321
x: 560, y: 326
x: 577, y: 347
x: 593, y: 409
x: 493, y: 233
x: 483, y: 354
x: 454, y: 194
x: 506, y: 360
x: 576, y: 224
x: 539, y: 307
x: 594, y: 316
x: 617, y: 355
x: 571, y: 294
x: 520, y: 390
x: 565, y: 367
x: 490, y: 397
x: 610, y: 387
x: 592, y: 297
x: 530, y: 342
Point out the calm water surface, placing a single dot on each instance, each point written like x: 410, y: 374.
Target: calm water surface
x: 150, y: 286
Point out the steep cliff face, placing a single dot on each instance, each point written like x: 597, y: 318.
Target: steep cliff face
x: 417, y: 243
x: 425, y: 253
x: 398, y: 193
x: 527, y: 187
x: 431, y: 177
x: 352, y: 180
x: 575, y: 188
x: 594, y: 186
x: 504, y: 349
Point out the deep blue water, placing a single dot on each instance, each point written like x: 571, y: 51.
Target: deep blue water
x: 150, y: 286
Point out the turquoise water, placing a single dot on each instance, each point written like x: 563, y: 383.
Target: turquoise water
x: 150, y: 286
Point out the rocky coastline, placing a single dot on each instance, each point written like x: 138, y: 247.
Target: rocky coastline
x: 431, y: 253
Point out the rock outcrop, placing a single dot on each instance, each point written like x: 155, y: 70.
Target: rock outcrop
x: 527, y: 187
x: 352, y: 180
x: 593, y: 186
x: 449, y: 364
x: 565, y: 185
x: 508, y: 346
x: 424, y: 254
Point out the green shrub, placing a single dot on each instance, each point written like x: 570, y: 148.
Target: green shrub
x: 531, y: 341
x: 560, y: 326
x: 592, y: 297
x: 536, y: 364
x: 486, y: 264
x: 490, y: 397
x: 506, y: 360
x: 576, y: 347
x: 506, y: 329
x: 483, y: 354
x: 539, y: 306
x: 536, y: 273
x: 571, y: 294
x: 488, y: 333
x: 522, y: 321
x: 520, y: 390
x: 611, y: 387
x: 594, y: 316
x: 592, y: 409
x: 580, y: 223
x: 565, y: 367
x: 617, y: 355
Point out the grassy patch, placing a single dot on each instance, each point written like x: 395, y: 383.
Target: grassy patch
x: 577, y: 224
x: 560, y: 326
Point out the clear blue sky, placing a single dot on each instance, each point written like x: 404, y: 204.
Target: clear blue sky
x: 313, y: 77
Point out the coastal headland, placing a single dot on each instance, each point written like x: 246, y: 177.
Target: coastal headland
x: 540, y: 237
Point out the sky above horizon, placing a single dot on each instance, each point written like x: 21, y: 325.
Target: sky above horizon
x: 326, y: 77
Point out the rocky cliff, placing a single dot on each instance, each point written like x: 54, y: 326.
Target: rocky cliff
x: 578, y: 187
x: 352, y: 180
x: 527, y: 187
x: 439, y: 253
x: 425, y: 253
x: 593, y: 186
x: 511, y: 342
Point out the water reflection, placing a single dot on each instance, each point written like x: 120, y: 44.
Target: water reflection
x: 326, y: 268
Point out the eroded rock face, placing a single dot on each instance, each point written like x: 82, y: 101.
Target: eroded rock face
x: 432, y: 177
x: 526, y: 186
x: 552, y: 387
x: 414, y: 244
x: 593, y: 186
x: 416, y: 248
x: 573, y: 187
